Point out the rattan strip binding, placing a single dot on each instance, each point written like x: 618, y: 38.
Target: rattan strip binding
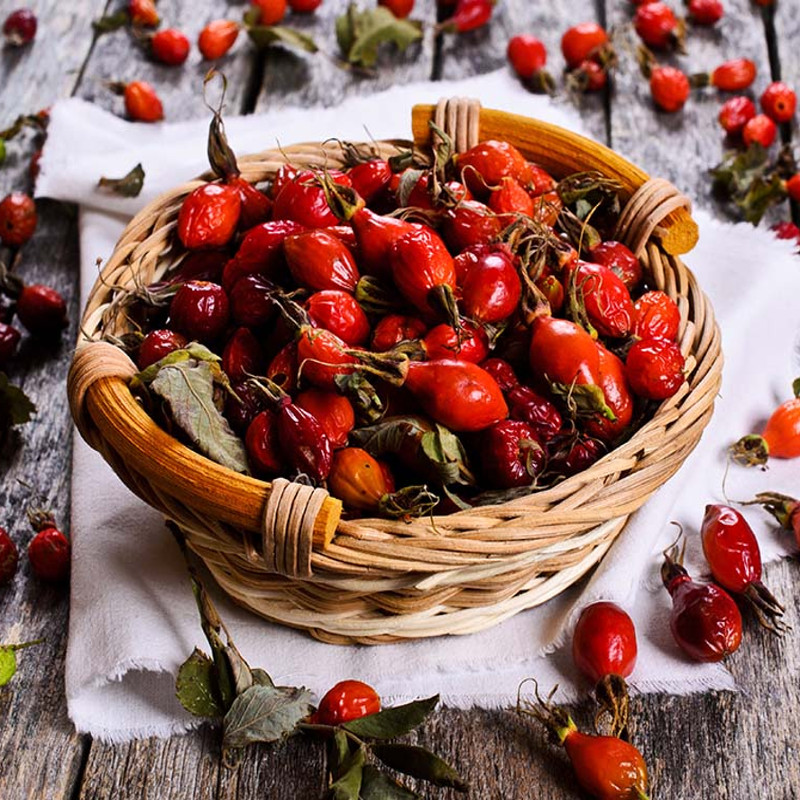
x: 386, y: 580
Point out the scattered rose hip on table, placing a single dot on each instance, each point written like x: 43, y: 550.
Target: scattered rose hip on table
x: 143, y: 12
x: 17, y: 219
x: 706, y: 12
x: 346, y: 701
x: 779, y: 102
x: 705, y: 621
x: 760, y: 129
x: 142, y: 103
x: 792, y: 186
x: 272, y: 11
x: 170, y: 46
x: 9, y: 557
x: 469, y: 15
x: 736, y: 113
x: 20, y: 27
x: 217, y: 38
x: 731, y: 76
x: 784, y: 508
x: 49, y: 550
x: 604, y: 649
x: 733, y: 554
x: 657, y: 26
x: 780, y: 437
x: 669, y: 87
x: 400, y: 8
x: 9, y: 339
x: 42, y: 310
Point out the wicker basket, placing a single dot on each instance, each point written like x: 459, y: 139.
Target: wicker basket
x: 282, y: 550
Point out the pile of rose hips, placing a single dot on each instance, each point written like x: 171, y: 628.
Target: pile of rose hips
x: 359, y: 312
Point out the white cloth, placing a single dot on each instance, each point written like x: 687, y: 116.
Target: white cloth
x: 133, y: 619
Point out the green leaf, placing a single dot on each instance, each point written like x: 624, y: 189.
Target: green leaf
x: 376, y: 785
x: 129, y: 186
x: 347, y: 785
x: 188, y: 389
x: 419, y: 763
x: 361, y: 33
x: 111, y: 23
x: 265, y: 714
x: 240, y: 670
x: 393, y: 722
x: 264, y: 36
x: 16, y: 407
x: 193, y: 350
x: 8, y: 664
x: 196, y: 686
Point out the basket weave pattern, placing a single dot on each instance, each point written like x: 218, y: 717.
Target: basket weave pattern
x: 381, y: 580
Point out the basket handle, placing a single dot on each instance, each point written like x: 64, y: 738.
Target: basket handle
x: 291, y: 523
x: 660, y: 214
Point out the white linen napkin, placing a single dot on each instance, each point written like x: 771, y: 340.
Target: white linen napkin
x: 133, y: 619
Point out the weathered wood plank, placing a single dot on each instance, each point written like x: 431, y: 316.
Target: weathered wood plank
x: 302, y: 80
x: 155, y: 769
x: 117, y: 57
x: 681, y: 147
x: 289, y: 771
x: 36, y: 736
x: 484, y: 50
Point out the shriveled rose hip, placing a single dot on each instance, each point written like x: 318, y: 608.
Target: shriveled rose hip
x: 20, y: 27
x: 17, y: 219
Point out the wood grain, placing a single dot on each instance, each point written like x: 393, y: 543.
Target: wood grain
x: 302, y: 80
x: 484, y: 50
x: 118, y: 57
x: 683, y: 146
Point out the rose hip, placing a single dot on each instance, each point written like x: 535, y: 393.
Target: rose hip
x: 657, y: 316
x: 170, y: 47
x: 527, y: 55
x: 9, y: 339
x: 200, y: 310
x: 736, y: 113
x: 209, y: 216
x: 733, y: 75
x: 669, y: 87
x: 217, y: 38
x: 20, y: 27
x: 511, y: 455
x: 158, y: 344
x: 657, y: 26
x: 491, y: 290
x: 142, y: 104
x: 17, y: 219
x: 582, y: 42
x: 346, y: 701
x: 400, y: 8
x: 272, y: 11
x: 49, y: 550
x: 604, y: 649
x: 42, y: 310
x: 261, y: 442
x: 9, y: 557
x: 706, y: 12
x: 779, y: 102
x: 654, y: 368
x: 784, y: 508
x: 760, y: 129
x: 143, y: 12
x: 333, y: 411
x: 780, y: 437
x: 251, y: 301
x: 705, y: 622
x: 733, y: 554
x: 620, y: 260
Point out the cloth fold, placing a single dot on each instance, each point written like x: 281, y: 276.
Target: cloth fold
x: 133, y: 619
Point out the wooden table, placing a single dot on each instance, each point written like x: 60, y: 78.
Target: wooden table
x: 719, y: 745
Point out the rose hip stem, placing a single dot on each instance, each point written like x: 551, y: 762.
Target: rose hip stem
x: 784, y: 508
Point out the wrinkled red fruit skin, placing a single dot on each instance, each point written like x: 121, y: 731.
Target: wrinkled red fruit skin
x: 346, y: 701
x: 620, y: 260
x: 9, y: 339
x: 537, y: 411
x: 17, y: 219
x: 303, y: 200
x: 705, y: 622
x: 502, y: 372
x: 511, y: 455
x: 9, y: 557
x: 339, y: 312
x: 242, y: 409
x: 396, y: 328
x: 209, y: 216
x: 333, y: 411
x: 42, y: 310
x: 485, y: 165
x: 606, y: 299
x: 458, y: 394
x: 657, y: 316
x: 470, y: 223
x: 251, y: 301
x: 200, y: 310
x: 49, y: 554
x: 319, y: 261
x: 444, y: 341
x: 304, y: 442
x: 264, y: 451
x: 730, y: 547
x: 604, y: 642
x: 243, y: 356
x: 158, y: 344
x: 654, y: 368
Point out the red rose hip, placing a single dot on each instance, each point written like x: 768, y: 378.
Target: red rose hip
x: 200, y: 311
x: 17, y: 219
x: 346, y: 701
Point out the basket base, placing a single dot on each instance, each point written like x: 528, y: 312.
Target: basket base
x: 278, y: 601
